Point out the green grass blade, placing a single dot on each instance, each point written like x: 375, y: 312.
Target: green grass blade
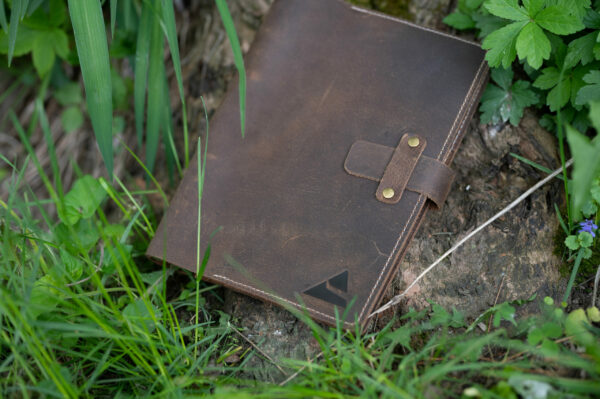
x: 237, y: 56
x: 113, y: 17
x: 15, y: 18
x: 3, y: 21
x: 170, y: 32
x: 141, y: 70
x: 156, y: 99
x: 90, y: 38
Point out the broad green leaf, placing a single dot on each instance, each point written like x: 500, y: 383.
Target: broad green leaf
x: 78, y: 238
x: 501, y: 44
x: 592, y: 19
x: 71, y: 265
x: 43, y: 54
x: 44, y: 19
x: 572, y: 242
x: 589, y: 209
x: 82, y: 200
x: 559, y: 96
x: 581, y: 50
x: 522, y: 97
x: 141, y: 69
x: 585, y: 239
x: 507, y: 9
x: 576, y: 325
x: 487, y: 23
x: 90, y: 38
x: 557, y: 21
x: 238, y: 58
x: 473, y: 4
x: 71, y: 119
x: 503, y: 77
x: 594, y: 116
x: 60, y: 42
x: 590, y: 92
x: 548, y: 78
x: 586, y: 168
x: 533, y: 45
x: 500, y: 105
x: 69, y: 94
x: 533, y: 6
x: 459, y: 20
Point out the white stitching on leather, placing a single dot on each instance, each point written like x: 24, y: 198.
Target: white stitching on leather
x: 390, y: 257
x: 384, y: 16
x: 297, y: 305
x: 460, y: 111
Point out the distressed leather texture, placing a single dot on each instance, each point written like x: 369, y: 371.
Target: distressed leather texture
x: 284, y: 219
x: 428, y: 176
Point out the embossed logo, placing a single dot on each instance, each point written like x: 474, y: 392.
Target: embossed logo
x: 332, y: 290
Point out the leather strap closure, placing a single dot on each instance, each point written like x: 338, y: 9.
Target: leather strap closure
x: 401, y: 168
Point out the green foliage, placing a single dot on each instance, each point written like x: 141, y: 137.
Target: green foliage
x: 552, y: 44
x: 505, y: 101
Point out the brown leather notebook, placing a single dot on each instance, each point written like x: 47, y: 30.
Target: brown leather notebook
x: 352, y: 120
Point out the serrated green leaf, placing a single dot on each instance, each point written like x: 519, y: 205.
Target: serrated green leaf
x: 71, y: 119
x: 503, y: 77
x: 532, y: 45
x: 487, y: 23
x: 548, y: 78
x: 586, y: 168
x: 43, y: 54
x: 572, y: 242
x: 592, y: 19
x: 533, y: 6
x: 459, y: 20
x: 501, y: 45
x: 581, y: 50
x: 90, y: 38
x: 507, y: 9
x: 559, y: 96
x: 591, y: 91
x: 522, y: 97
x: 60, y: 42
x: 44, y: 19
x: 556, y: 20
x: 499, y: 105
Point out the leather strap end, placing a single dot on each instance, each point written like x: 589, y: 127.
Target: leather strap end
x: 429, y: 176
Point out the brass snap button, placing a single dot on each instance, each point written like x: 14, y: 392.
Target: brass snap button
x: 413, y: 142
x: 388, y: 193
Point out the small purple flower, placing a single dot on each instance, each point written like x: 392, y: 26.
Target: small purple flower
x: 588, y: 226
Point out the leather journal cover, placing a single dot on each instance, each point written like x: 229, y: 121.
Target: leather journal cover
x: 352, y: 120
